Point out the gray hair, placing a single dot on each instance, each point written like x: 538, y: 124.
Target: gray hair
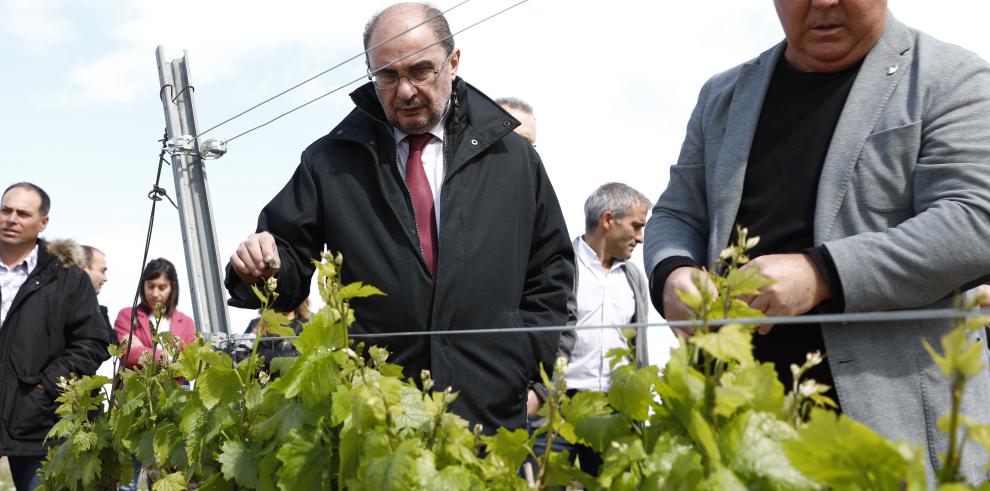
x: 514, y: 103
x: 433, y: 17
x: 614, y: 197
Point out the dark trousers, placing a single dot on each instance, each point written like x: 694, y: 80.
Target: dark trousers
x: 24, y: 471
x: 589, y: 460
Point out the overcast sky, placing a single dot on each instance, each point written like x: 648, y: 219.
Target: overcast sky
x: 613, y: 84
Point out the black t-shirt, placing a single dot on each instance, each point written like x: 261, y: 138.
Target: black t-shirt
x: 796, y: 124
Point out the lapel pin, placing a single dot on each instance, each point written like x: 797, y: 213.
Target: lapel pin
x: 893, y: 68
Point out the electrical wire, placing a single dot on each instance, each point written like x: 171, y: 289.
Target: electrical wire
x: 280, y: 116
x: 852, y: 318
x: 324, y: 72
x: 155, y: 196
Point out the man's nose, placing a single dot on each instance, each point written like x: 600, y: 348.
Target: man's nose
x: 405, y: 90
x: 824, y: 4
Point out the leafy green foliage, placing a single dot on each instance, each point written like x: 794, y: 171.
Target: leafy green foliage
x: 340, y: 416
x: 857, y: 457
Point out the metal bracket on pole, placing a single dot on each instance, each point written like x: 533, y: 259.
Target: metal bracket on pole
x: 195, y: 214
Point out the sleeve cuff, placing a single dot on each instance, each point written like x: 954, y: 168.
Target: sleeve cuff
x: 241, y: 295
x: 823, y: 260
x: 541, y: 391
x: 659, y: 278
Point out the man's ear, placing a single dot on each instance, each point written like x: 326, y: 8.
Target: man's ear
x: 44, y: 223
x: 455, y: 61
x: 606, y: 221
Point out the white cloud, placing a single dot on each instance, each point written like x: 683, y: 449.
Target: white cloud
x: 225, y: 39
x: 36, y: 23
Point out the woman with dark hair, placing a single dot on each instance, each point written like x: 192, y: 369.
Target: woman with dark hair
x: 159, y: 290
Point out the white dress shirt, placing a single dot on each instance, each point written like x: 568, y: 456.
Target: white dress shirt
x: 604, y: 298
x: 432, y: 161
x: 12, y: 278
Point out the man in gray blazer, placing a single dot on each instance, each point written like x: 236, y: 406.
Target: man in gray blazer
x: 859, y: 150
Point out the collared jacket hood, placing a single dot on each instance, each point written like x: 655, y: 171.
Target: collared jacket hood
x: 68, y: 252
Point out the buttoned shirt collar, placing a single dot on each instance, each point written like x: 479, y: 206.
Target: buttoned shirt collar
x: 437, y: 131
x: 12, y: 278
x: 27, y: 264
x: 589, y: 257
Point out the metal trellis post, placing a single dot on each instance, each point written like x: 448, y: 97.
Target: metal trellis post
x: 195, y: 214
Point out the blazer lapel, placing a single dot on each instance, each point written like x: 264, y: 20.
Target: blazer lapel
x: 882, y: 69
x: 725, y: 179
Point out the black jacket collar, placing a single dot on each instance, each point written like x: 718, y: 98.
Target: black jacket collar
x: 474, y: 124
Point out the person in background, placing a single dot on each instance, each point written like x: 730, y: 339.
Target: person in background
x: 523, y: 112
x: 160, y: 293
x: 50, y: 327
x: 609, y: 291
x: 96, y: 267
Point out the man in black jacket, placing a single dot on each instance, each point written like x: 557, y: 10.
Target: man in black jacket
x: 50, y: 327
x: 95, y: 265
x: 431, y: 197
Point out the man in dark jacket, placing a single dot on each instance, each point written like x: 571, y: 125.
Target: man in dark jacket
x: 492, y: 253
x: 50, y: 327
x: 95, y: 265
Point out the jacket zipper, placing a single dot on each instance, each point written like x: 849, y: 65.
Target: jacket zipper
x: 405, y: 186
x: 5, y: 332
x: 412, y: 208
x: 381, y: 187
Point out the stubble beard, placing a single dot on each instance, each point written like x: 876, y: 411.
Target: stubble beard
x: 436, y: 112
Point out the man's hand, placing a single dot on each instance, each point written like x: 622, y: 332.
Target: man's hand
x: 983, y: 293
x: 798, y: 286
x: 532, y: 404
x: 256, y: 258
x: 683, y: 279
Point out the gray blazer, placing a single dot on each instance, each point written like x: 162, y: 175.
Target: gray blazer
x: 903, y: 207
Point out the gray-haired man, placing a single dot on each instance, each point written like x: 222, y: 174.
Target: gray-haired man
x: 608, y: 291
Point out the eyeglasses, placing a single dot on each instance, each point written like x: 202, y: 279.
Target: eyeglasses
x: 386, y: 80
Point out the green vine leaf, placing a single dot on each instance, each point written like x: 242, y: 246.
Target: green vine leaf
x: 304, y: 463
x: 454, y: 478
x: 961, y: 357
x: 358, y: 290
x: 171, y: 482
x: 765, y: 392
x: 508, y: 448
x: 407, y: 468
x: 631, y: 390
x: 731, y: 343
x: 857, y: 457
x: 752, y: 445
x: 218, y: 385
x: 747, y: 281
x: 598, y: 432
x: 238, y: 463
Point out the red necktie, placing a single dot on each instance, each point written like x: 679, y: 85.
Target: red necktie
x: 422, y: 199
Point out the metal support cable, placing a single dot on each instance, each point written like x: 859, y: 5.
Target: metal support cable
x: 280, y: 116
x: 155, y: 196
x: 324, y: 72
x: 854, y: 318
